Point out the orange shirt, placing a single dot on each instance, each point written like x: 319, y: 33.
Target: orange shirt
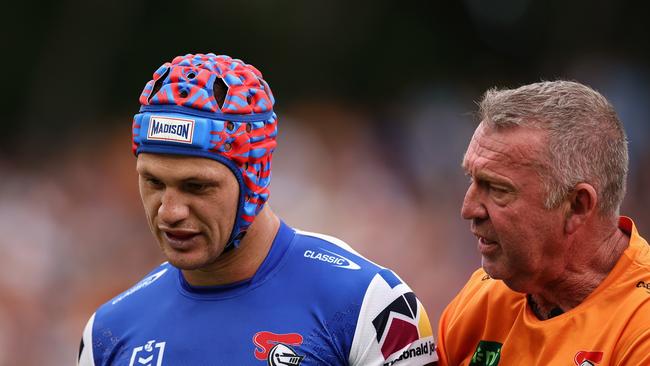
x: 489, y: 324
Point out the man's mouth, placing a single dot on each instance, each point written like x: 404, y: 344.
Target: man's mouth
x: 487, y: 246
x: 485, y: 241
x: 179, y: 239
x: 179, y: 236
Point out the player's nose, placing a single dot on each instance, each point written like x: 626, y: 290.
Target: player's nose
x: 473, y: 207
x: 173, y: 207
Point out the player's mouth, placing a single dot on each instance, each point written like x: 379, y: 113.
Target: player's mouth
x: 179, y: 239
x: 487, y: 246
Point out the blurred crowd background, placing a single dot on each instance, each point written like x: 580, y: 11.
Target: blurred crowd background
x: 376, y: 103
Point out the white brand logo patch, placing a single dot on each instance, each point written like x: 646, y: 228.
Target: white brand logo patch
x: 147, y: 356
x: 144, y: 283
x: 332, y: 258
x: 171, y: 129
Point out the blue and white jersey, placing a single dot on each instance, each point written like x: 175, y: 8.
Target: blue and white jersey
x: 313, y: 301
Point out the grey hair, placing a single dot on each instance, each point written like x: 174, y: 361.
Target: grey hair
x: 586, y: 140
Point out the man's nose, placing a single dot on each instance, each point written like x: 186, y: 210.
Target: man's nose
x: 473, y: 207
x: 173, y: 208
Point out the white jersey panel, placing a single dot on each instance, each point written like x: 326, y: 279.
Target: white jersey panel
x: 393, y: 327
x: 338, y: 242
x: 86, y: 355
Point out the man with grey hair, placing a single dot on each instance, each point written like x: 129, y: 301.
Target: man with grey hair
x: 564, y: 279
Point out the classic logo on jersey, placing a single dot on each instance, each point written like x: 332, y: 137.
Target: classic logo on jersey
x: 402, y: 323
x: 644, y: 285
x: 144, y: 283
x: 275, y: 348
x: 332, y: 258
x: 171, y: 129
x: 151, y: 354
x: 487, y: 353
x: 585, y: 358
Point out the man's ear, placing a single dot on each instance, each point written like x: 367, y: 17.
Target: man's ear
x: 582, y: 205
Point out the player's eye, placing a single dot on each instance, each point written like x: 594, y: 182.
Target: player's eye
x: 153, y: 182
x: 498, y: 189
x: 196, y: 187
x: 500, y: 194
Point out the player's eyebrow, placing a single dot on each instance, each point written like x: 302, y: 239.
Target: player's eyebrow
x: 493, y: 178
x: 487, y: 176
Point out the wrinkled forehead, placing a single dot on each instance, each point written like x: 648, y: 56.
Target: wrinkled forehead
x: 513, y: 146
x: 179, y: 166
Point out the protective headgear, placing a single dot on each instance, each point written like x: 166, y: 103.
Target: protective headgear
x: 180, y: 115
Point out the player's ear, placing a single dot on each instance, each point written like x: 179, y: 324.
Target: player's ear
x: 582, y: 202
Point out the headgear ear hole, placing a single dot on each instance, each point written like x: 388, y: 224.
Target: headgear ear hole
x: 219, y: 90
x: 158, y: 84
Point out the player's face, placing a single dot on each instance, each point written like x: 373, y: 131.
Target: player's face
x: 520, y: 241
x: 190, y: 205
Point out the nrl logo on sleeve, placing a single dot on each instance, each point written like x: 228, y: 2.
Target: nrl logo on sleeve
x: 171, y: 129
x: 151, y: 354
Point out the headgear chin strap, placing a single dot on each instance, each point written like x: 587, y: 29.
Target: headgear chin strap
x: 180, y: 115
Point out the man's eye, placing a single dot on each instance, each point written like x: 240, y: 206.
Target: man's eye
x: 500, y: 194
x: 154, y: 182
x: 195, y: 187
x: 498, y: 189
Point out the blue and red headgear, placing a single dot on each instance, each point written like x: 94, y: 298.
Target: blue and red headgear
x: 180, y: 115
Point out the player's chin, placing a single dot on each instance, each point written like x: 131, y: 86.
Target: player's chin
x: 493, y: 267
x: 182, y: 258
x: 185, y: 262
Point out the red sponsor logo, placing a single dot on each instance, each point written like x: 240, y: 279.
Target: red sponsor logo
x: 264, y: 341
x: 585, y: 358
